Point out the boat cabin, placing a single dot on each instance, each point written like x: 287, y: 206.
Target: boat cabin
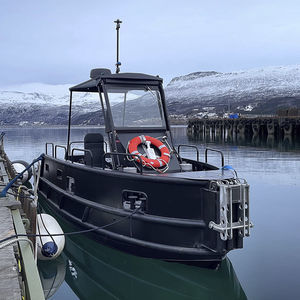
x: 134, y: 110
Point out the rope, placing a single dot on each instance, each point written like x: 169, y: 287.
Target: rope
x: 10, y: 184
x: 72, y: 232
x: 18, y: 239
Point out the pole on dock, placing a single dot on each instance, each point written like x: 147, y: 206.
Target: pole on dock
x: 118, y: 63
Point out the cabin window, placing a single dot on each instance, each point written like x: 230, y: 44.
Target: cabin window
x: 136, y: 106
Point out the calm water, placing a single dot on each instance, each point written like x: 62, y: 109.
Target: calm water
x: 266, y: 268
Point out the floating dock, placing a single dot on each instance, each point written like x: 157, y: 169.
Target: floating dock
x: 274, y: 126
x: 19, y: 277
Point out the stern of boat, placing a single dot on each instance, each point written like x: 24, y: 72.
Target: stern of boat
x: 229, y: 219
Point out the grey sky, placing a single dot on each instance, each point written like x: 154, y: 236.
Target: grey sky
x: 60, y: 41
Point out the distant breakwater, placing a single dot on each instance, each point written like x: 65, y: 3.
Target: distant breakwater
x: 279, y: 127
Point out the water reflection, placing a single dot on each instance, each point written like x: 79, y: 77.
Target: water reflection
x: 52, y: 274
x: 97, y: 272
x: 280, y: 143
x: 274, y: 179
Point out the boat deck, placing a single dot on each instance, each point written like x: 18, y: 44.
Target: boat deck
x: 201, y: 175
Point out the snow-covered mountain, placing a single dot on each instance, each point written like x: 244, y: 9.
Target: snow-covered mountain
x: 258, y: 90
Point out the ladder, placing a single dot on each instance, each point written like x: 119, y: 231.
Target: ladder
x: 234, y: 209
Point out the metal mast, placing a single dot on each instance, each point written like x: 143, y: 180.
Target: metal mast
x: 118, y: 64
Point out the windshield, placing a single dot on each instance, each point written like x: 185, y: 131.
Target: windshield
x: 138, y: 106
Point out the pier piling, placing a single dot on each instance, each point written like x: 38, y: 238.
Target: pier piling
x: 256, y: 126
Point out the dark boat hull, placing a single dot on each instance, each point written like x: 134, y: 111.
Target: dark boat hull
x: 173, y: 224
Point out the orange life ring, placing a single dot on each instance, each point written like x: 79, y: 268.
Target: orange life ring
x: 161, y: 161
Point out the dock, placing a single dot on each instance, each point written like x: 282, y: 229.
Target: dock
x: 254, y: 126
x: 19, y: 277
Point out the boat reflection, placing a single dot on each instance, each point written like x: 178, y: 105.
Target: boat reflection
x: 97, y: 272
x: 52, y: 274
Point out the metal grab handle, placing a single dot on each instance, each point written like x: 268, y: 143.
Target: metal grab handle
x: 124, y: 154
x: 85, y: 151
x: 82, y: 142
x: 59, y: 146
x: 188, y: 146
x: 52, y: 148
x: 214, y: 150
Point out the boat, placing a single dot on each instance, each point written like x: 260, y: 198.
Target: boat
x: 134, y: 190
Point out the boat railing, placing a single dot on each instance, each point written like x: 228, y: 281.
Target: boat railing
x: 214, y: 150
x: 54, y: 151
x: 52, y: 148
x: 82, y: 142
x: 131, y: 156
x: 60, y: 147
x: 85, y: 151
x: 188, y: 146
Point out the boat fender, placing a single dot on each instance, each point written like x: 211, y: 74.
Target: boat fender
x: 49, y: 247
x: 21, y: 165
x: 149, y: 162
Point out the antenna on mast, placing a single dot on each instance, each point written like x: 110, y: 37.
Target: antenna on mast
x: 118, y: 64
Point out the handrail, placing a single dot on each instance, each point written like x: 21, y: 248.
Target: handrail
x: 52, y: 148
x: 214, y: 150
x: 106, y: 146
x: 124, y: 154
x: 82, y: 142
x: 59, y: 146
x: 189, y: 146
x: 83, y: 150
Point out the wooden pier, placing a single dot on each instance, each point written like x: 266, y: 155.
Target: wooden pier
x: 19, y: 277
x: 259, y: 126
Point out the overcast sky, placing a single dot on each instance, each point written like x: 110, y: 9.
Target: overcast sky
x: 60, y: 41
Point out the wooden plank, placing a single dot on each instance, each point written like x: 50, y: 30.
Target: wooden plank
x: 9, y: 275
x: 33, y: 282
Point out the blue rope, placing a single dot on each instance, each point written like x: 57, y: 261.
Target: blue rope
x: 9, y: 185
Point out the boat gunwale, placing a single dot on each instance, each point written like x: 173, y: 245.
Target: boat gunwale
x: 121, y: 212
x: 141, y: 177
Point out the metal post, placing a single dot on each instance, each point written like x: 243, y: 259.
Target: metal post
x: 118, y: 64
x: 69, y: 126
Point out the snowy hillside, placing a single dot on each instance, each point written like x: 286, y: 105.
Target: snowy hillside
x: 259, y: 83
x: 256, y: 91
x: 41, y: 94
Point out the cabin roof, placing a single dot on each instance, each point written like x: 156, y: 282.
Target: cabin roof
x: 121, y: 78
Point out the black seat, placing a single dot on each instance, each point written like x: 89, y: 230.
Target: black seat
x: 95, y: 143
